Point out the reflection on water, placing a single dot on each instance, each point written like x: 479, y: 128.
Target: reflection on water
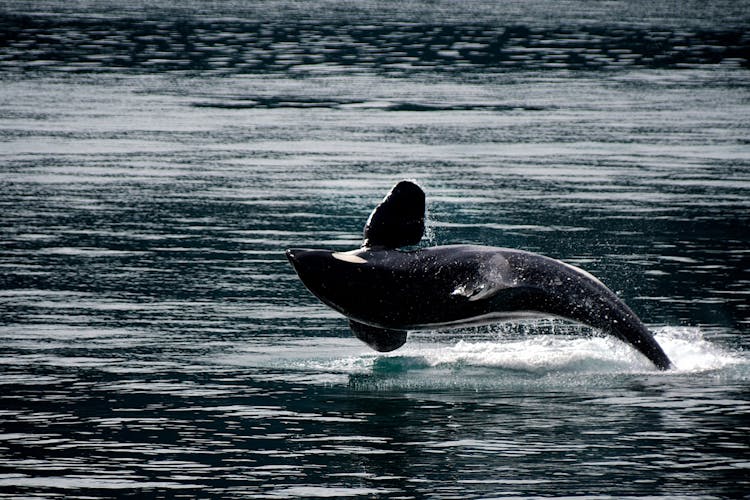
x: 155, y: 342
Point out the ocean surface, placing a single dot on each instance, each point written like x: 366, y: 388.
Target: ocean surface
x: 157, y: 160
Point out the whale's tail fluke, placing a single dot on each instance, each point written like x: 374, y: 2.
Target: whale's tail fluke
x: 557, y: 288
x: 645, y: 343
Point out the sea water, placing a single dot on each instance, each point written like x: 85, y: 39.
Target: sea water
x: 156, y: 161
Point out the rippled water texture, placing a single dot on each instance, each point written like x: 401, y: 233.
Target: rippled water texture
x: 155, y: 162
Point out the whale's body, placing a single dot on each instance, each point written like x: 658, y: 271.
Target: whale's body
x: 386, y: 292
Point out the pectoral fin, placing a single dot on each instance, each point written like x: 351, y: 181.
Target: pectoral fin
x: 380, y: 339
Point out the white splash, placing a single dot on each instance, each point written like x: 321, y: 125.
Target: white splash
x: 691, y: 352
x: 546, y: 353
x: 543, y: 351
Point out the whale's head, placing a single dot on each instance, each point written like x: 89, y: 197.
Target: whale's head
x: 311, y: 265
x: 341, y: 279
x: 330, y: 276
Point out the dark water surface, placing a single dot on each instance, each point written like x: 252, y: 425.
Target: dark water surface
x: 155, y: 162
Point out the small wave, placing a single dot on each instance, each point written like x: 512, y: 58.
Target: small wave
x: 325, y: 492
x: 91, y: 252
x: 304, y: 102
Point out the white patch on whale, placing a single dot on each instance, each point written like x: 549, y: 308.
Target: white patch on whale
x: 350, y: 257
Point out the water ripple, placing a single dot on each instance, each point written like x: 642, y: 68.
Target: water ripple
x: 45, y: 43
x: 156, y: 162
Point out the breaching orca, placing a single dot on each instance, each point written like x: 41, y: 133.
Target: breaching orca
x: 385, y: 291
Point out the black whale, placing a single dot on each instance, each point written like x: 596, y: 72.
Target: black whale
x: 385, y: 292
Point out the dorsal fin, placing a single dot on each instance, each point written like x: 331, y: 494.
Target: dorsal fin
x: 398, y: 220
